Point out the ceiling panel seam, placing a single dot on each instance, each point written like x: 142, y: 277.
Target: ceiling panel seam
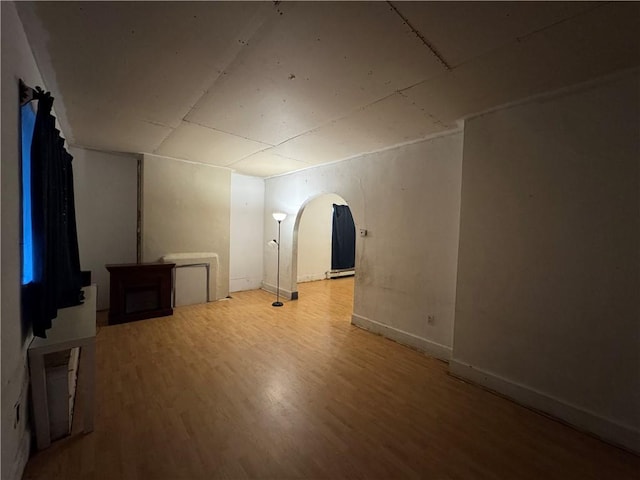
x: 562, y: 20
x: 453, y: 131
x: 265, y: 151
x: 524, y: 37
x: 194, y: 162
x: 228, y: 133
x: 249, y: 32
x: 164, y: 139
x: 436, y: 120
x: 360, y: 109
x: 337, y: 119
x: 422, y: 38
x: 252, y: 154
x: 559, y: 92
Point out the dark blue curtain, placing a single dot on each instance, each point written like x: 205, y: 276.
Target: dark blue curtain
x: 57, y: 281
x: 343, y: 244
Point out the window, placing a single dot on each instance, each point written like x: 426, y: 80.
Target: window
x: 51, y: 277
x: 28, y: 120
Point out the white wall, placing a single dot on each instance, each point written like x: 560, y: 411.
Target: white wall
x: 185, y: 209
x: 409, y: 200
x: 17, y: 62
x: 247, y: 232
x: 106, y: 209
x: 548, y: 303
x: 314, y: 237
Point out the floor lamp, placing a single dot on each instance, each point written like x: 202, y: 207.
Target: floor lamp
x: 278, y: 217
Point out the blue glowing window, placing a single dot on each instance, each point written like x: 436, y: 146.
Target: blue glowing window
x: 28, y: 120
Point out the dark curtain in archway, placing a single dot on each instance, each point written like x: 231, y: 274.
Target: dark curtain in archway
x: 343, y: 244
x: 57, y: 281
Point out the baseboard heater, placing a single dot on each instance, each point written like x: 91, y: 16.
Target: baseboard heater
x: 345, y: 272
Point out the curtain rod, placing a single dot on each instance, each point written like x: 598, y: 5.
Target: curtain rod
x: 28, y: 94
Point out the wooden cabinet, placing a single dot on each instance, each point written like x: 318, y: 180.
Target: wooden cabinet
x: 139, y: 291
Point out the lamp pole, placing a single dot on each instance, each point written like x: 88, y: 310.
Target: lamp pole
x: 278, y: 217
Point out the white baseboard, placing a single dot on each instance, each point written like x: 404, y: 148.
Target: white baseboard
x: 341, y: 273
x: 284, y: 293
x: 607, y: 429
x: 432, y: 348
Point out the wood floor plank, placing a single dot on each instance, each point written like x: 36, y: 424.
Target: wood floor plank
x: 237, y: 389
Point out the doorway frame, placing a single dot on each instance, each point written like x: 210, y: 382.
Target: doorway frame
x: 294, y: 240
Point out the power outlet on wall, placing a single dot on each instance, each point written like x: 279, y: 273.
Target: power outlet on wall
x: 431, y: 319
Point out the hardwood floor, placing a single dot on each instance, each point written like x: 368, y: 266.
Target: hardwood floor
x: 239, y: 389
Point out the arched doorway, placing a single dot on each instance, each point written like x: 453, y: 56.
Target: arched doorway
x: 312, y: 242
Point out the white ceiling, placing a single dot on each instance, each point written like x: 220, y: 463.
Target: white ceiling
x: 271, y: 87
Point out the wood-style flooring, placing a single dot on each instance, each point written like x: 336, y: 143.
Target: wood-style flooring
x: 239, y: 389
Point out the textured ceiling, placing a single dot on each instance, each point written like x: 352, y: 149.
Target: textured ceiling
x: 271, y: 87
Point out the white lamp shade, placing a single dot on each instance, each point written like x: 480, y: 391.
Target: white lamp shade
x: 279, y: 216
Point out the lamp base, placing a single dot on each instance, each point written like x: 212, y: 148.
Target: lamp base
x: 277, y: 304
